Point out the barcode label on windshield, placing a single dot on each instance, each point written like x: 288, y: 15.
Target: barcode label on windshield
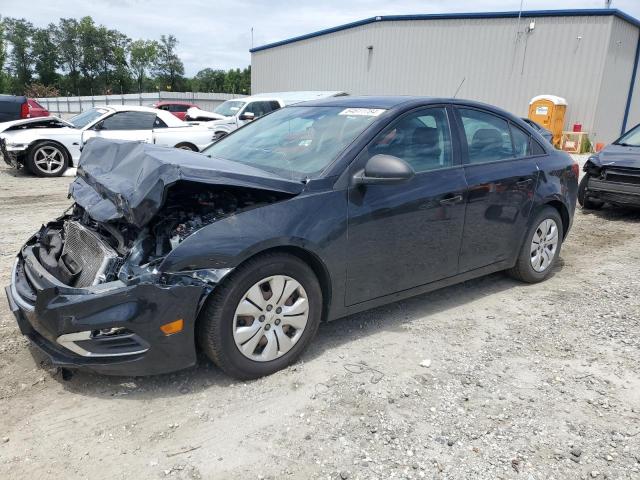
x: 365, y: 112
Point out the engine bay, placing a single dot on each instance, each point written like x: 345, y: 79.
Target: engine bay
x: 80, y: 252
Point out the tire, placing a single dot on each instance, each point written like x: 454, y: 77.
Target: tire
x: 47, y: 159
x: 524, y: 269
x: 187, y: 146
x: 583, y: 199
x: 220, y: 323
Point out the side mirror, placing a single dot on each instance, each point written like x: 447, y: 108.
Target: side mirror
x: 98, y: 126
x: 247, y: 116
x: 384, y: 169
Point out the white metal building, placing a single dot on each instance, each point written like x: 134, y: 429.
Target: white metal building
x: 589, y: 57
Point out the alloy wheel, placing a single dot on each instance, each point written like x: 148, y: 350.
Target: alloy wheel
x: 270, y: 318
x: 544, y: 245
x: 49, y: 159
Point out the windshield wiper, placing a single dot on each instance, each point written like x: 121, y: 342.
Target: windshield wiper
x: 623, y: 144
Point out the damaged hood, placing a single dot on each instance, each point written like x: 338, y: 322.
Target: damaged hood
x: 128, y: 180
x: 34, y: 122
x: 619, y: 156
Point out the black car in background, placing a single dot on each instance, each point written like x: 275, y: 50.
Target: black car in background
x: 310, y: 213
x: 613, y: 175
x: 546, y: 134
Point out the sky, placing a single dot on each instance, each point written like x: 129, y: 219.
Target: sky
x: 217, y: 33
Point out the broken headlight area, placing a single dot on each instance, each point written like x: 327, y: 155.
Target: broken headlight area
x: 81, y: 252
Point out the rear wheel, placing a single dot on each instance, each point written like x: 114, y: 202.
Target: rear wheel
x: 584, y: 199
x: 261, y: 318
x: 47, y: 159
x: 541, y: 248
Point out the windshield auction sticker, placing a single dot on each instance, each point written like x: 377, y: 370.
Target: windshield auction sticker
x: 365, y: 112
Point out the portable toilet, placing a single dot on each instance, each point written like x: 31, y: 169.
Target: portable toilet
x: 548, y: 111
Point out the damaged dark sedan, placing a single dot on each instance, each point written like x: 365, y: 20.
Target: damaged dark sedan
x: 613, y: 175
x: 311, y: 213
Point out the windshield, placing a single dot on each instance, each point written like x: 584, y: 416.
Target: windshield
x: 86, y: 117
x: 631, y: 138
x: 229, y: 108
x: 295, y: 142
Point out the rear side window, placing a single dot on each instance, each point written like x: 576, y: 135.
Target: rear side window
x: 176, y: 107
x: 488, y: 136
x: 129, y: 121
x: 521, y: 142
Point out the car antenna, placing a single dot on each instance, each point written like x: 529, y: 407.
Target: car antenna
x: 459, y: 87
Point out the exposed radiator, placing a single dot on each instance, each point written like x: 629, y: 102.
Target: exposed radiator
x: 85, y: 253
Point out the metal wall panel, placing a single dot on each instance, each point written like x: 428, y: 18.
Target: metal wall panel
x: 616, y: 79
x: 634, y: 109
x: 563, y: 56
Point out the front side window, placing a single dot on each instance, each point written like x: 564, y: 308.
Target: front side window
x: 421, y: 138
x: 129, y: 121
x: 258, y: 108
x: 229, y: 108
x: 295, y: 142
x: 488, y: 136
x: 178, y: 107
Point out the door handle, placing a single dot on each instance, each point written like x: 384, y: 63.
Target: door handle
x: 524, y: 183
x: 451, y: 200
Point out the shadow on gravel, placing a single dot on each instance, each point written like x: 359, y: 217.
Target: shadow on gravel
x: 623, y: 214
x: 204, y: 375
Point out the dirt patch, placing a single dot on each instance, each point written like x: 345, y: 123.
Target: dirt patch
x: 522, y: 381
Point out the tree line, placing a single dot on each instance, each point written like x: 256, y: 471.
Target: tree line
x: 80, y: 57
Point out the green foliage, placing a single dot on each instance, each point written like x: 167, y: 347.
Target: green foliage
x: 18, y: 33
x: 79, y: 57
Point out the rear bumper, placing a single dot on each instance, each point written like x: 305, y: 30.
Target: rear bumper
x: 614, y: 192
x: 59, y: 319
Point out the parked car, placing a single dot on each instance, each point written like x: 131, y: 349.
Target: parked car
x: 179, y: 109
x: 546, y: 134
x: 308, y: 214
x: 233, y: 114
x: 613, y: 175
x: 14, y: 107
x: 48, y: 146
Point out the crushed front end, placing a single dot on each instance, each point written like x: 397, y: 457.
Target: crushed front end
x: 91, y: 289
x: 615, y: 182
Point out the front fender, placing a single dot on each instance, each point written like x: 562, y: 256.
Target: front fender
x: 314, y: 222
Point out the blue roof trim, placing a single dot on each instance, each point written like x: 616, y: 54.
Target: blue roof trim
x: 580, y: 12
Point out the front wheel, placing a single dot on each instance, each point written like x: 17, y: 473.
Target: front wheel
x: 261, y: 318
x: 541, y: 248
x: 47, y: 159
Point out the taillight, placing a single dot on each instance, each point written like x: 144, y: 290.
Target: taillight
x: 575, y: 168
x: 24, y: 110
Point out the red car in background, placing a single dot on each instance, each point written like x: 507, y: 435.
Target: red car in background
x: 179, y: 109
x: 36, y: 110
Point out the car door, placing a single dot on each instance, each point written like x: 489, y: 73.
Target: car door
x: 502, y: 175
x: 405, y: 235
x: 132, y: 125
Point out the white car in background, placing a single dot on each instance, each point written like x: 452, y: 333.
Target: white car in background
x: 235, y: 113
x: 48, y: 146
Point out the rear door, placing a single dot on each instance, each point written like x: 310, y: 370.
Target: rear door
x: 135, y: 126
x: 502, y: 174
x: 406, y: 235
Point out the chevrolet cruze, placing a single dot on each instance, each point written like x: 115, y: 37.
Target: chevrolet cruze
x: 311, y: 213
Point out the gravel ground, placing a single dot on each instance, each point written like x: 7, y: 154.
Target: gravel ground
x: 488, y: 379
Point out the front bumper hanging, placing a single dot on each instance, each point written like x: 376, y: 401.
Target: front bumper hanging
x: 110, y: 329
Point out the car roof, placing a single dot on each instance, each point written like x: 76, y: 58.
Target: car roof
x: 397, y: 101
